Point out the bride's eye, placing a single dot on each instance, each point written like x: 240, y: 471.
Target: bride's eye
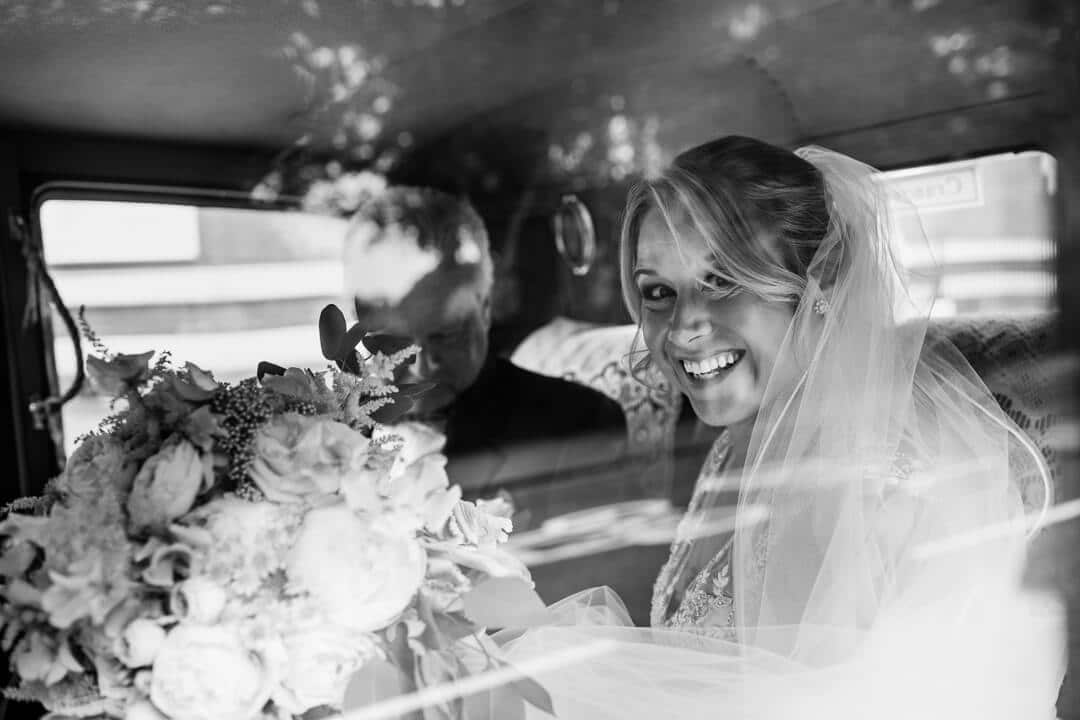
x: 656, y: 293
x: 714, y: 284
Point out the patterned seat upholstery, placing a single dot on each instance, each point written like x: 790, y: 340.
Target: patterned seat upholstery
x: 1013, y: 356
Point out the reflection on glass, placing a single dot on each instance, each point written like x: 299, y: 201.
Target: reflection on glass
x: 221, y: 287
x: 575, y: 236
x: 990, y: 226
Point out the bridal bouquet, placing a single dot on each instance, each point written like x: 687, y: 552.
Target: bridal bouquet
x: 268, y: 549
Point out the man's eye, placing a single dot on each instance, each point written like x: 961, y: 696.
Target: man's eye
x: 449, y: 333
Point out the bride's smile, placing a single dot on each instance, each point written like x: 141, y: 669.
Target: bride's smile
x: 712, y: 339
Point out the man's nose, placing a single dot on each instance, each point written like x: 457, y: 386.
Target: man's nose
x: 428, y: 362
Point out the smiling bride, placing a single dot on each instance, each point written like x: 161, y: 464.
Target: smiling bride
x: 874, y: 565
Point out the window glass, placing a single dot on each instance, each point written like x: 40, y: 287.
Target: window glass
x: 221, y: 287
x: 990, y: 228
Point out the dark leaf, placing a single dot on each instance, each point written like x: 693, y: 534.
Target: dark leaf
x: 393, y: 412
x: 385, y: 343
x: 331, y: 330
x: 268, y: 368
x: 347, y: 344
x: 350, y: 364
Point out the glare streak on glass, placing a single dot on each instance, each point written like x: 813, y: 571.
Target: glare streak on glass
x: 434, y: 695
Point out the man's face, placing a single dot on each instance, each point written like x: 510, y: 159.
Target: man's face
x: 448, y: 314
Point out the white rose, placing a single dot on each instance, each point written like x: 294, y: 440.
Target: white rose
x: 206, y: 672
x: 299, y: 457
x: 362, y: 572
x: 140, y: 642
x: 166, y: 486
x: 321, y: 661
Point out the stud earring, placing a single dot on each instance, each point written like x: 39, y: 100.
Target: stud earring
x: 821, y: 306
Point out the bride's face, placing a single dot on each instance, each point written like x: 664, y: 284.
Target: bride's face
x: 717, y: 348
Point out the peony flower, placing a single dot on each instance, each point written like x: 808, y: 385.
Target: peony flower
x: 120, y: 374
x: 241, y: 543
x: 298, y: 457
x: 363, y: 572
x: 98, y: 460
x: 320, y: 662
x: 206, y: 672
x: 199, y: 600
x: 140, y: 642
x: 166, y: 486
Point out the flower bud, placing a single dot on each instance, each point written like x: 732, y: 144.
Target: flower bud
x: 140, y: 642
x: 198, y: 600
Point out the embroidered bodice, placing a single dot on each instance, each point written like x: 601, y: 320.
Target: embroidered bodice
x: 706, y: 604
x: 701, y: 599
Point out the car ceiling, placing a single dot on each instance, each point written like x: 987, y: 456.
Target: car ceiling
x: 970, y: 73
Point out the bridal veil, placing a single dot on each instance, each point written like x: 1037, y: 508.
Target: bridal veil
x: 880, y: 530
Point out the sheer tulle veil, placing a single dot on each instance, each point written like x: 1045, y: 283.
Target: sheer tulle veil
x: 880, y: 530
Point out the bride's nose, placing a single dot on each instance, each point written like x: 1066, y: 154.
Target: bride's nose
x: 690, y: 320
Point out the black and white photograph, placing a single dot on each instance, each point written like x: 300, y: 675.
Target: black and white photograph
x: 540, y: 359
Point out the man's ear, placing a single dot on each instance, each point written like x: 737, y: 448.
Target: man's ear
x: 485, y: 310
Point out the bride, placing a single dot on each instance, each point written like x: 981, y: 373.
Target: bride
x: 872, y: 565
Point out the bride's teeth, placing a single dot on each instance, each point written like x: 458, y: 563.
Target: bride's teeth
x: 708, y: 365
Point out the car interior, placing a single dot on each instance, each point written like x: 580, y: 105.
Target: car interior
x: 176, y: 174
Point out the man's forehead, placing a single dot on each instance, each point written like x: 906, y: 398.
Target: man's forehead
x: 384, y: 263
x: 440, y: 298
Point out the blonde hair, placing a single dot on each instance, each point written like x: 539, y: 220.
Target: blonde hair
x: 736, y: 192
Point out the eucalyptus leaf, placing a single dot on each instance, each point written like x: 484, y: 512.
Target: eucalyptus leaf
x: 454, y: 626
x: 389, y: 414
x: 506, y: 602
x: 386, y: 343
x: 533, y: 693
x: 331, y: 330
x: 349, y: 340
x: 268, y: 368
x: 376, y: 681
